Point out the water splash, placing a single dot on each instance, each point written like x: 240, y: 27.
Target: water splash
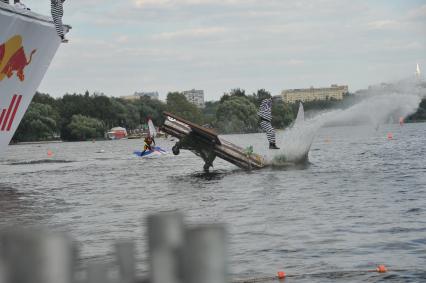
x: 300, y: 118
x: 375, y: 108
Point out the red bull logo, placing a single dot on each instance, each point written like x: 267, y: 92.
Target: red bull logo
x: 7, y: 115
x: 13, y: 59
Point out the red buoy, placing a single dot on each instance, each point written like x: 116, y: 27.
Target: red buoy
x: 381, y: 269
x: 281, y: 275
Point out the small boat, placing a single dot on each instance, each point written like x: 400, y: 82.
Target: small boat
x: 116, y: 133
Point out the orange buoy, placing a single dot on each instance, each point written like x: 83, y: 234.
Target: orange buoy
x: 281, y: 275
x: 381, y: 268
x: 390, y: 136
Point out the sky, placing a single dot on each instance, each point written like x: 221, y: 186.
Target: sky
x: 119, y: 47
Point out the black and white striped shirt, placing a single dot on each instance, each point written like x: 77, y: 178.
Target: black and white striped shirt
x: 57, y: 13
x: 265, y: 111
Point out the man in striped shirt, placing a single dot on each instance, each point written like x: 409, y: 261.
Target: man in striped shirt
x: 265, y: 114
x: 57, y: 13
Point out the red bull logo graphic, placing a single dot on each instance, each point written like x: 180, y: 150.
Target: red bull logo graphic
x: 7, y: 115
x: 13, y: 59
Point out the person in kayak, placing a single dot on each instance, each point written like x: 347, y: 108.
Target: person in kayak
x: 265, y: 114
x: 148, y: 141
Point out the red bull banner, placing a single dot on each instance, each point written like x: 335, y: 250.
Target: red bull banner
x: 28, y: 43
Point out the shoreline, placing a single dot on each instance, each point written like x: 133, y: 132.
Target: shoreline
x: 62, y: 141
x: 36, y: 142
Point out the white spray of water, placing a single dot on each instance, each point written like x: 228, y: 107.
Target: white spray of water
x: 400, y: 100
x: 300, y: 115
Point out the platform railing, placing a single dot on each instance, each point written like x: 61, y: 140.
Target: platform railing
x: 178, y: 253
x: 29, y: 14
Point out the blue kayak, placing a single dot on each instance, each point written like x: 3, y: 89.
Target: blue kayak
x: 156, y: 150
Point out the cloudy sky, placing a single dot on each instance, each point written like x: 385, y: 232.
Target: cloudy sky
x: 119, y: 47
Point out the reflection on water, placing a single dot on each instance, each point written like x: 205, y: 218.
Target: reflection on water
x: 213, y: 175
x: 358, y: 202
x: 9, y: 199
x: 42, y: 161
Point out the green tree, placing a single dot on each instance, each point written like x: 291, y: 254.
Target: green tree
x: 237, y: 115
x: 132, y: 117
x: 45, y: 98
x: 236, y: 92
x: 258, y: 96
x: 151, y: 108
x: 84, y: 128
x: 39, y: 123
x: 209, y: 112
x: 70, y: 105
x: 104, y: 108
x: 178, y: 105
x: 282, y: 114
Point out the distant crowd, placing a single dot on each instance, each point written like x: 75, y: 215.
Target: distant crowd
x: 56, y: 10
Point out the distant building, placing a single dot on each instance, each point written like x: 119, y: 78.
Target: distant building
x: 335, y: 92
x: 138, y: 95
x: 195, y: 97
x: 152, y: 94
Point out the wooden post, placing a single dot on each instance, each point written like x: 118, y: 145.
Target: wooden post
x: 205, y: 254
x: 165, y: 239
x: 97, y: 273
x: 38, y: 257
x: 59, y: 253
x: 125, y: 253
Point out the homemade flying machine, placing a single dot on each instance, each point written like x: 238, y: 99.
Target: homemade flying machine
x: 207, y: 144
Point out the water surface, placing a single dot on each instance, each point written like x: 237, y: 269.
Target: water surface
x: 360, y: 202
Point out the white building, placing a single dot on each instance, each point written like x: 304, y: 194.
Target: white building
x: 195, y: 97
x: 335, y: 92
x: 138, y: 95
x: 151, y: 94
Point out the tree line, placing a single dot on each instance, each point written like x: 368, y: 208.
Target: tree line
x: 76, y: 117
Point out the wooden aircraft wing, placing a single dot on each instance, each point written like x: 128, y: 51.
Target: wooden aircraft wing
x: 206, y: 134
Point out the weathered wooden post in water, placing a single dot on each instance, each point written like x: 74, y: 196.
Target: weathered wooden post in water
x: 178, y: 253
x: 205, y: 254
x: 37, y: 257
x: 97, y: 273
x: 125, y: 254
x: 165, y: 239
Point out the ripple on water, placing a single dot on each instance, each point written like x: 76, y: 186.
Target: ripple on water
x: 354, y: 206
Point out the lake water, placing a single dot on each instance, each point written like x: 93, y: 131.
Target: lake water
x: 360, y: 202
